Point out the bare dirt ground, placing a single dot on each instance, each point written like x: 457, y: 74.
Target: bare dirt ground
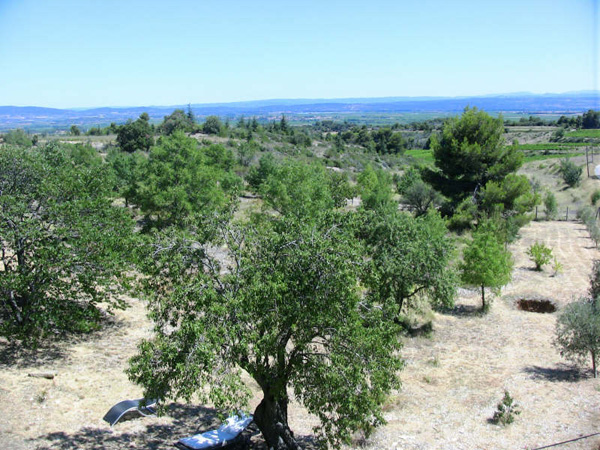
x: 451, y: 383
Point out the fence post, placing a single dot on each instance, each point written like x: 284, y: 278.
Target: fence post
x: 567, y: 219
x: 536, y: 213
x: 587, y: 162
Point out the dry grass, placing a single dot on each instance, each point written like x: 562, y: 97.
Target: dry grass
x: 451, y: 383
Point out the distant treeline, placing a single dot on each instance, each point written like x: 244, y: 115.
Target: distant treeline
x: 588, y: 120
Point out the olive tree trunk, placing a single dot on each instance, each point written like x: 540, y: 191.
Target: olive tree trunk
x: 272, y: 420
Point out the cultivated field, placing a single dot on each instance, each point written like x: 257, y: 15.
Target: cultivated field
x: 451, y: 383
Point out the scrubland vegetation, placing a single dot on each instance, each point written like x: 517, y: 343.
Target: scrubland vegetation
x: 348, y: 239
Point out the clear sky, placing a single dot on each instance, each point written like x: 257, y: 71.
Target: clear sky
x: 84, y: 53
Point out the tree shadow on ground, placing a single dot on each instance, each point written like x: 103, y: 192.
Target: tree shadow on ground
x: 19, y: 354
x: 560, y: 373
x: 463, y: 311
x: 187, y: 420
x: 16, y: 354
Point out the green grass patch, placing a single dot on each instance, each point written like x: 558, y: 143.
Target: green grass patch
x: 422, y: 155
x: 552, y: 146
x: 584, y: 133
x: 531, y: 157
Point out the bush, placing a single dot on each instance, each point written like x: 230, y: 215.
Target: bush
x: 17, y: 137
x: 586, y: 215
x: 570, y: 172
x: 595, y: 196
x: 407, y: 180
x: 540, y: 254
x: 550, y: 205
x: 421, y: 196
x: 506, y: 411
x: 578, y: 331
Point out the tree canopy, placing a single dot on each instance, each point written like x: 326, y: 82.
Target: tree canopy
x: 135, y: 135
x: 470, y: 152
x: 409, y: 257
x: 180, y: 179
x: 178, y: 120
x: 304, y: 190
x: 62, y: 243
x: 486, y: 263
x: 287, y: 309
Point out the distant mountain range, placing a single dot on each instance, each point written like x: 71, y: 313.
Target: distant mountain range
x: 33, y: 117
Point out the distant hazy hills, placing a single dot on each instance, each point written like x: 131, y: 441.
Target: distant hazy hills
x: 567, y: 103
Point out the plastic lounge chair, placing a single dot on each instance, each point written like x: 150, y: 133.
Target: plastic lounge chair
x: 115, y: 413
x: 227, y: 434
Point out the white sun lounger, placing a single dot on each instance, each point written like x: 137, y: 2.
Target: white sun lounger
x: 225, y: 435
x: 115, y: 413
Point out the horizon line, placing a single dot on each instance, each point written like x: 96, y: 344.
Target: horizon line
x: 320, y: 99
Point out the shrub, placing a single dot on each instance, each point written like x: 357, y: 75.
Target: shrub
x: 506, y: 410
x: 595, y: 196
x: 557, y: 267
x: 540, y: 254
x: 550, y: 205
x: 595, y: 233
x: 570, y: 172
x: 586, y: 215
x: 578, y: 331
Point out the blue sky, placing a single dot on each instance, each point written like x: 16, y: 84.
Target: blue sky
x: 84, y: 53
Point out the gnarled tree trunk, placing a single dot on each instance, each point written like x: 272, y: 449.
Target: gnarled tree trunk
x: 272, y: 420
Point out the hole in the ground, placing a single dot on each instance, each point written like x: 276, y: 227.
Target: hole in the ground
x: 537, y: 306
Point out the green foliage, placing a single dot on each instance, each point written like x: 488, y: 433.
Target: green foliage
x: 212, y: 125
x: 590, y: 119
x: 421, y: 197
x: 470, y: 152
x: 571, y: 173
x: 595, y: 197
x: 257, y: 175
x: 304, y: 190
x: 387, y: 141
x: 63, y: 243
x: 551, y: 208
x: 219, y: 156
x: 539, y: 254
x: 178, y: 120
x: 506, y: 410
x: 179, y: 180
x: 594, y: 134
x: 588, y: 216
x: 375, y: 189
x: 127, y: 172
x: 246, y: 152
x: 464, y: 216
x: 17, y: 137
x: 287, y: 311
x: 513, y: 196
x: 82, y: 155
x: 134, y: 136
x: 578, y: 331
x: 486, y: 263
x: 74, y: 130
x: 410, y: 257
x: 557, y: 267
x: 594, y: 290
x: 410, y: 176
